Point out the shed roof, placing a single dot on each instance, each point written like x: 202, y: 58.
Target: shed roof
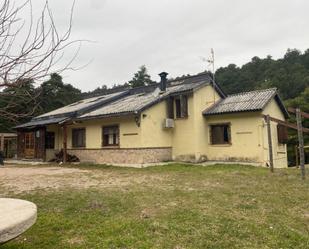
x: 246, y: 102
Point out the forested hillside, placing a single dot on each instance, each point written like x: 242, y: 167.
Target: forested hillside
x: 289, y: 74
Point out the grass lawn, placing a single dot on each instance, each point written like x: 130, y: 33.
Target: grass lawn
x: 175, y: 206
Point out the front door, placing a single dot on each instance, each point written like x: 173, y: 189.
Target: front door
x: 29, y: 144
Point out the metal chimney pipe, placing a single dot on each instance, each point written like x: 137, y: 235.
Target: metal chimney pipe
x: 163, y: 81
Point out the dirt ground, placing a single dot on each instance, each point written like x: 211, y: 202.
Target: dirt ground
x: 17, y: 179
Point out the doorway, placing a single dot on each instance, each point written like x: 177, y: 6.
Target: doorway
x: 29, y: 145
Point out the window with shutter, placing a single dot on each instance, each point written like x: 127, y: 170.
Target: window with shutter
x: 181, y: 105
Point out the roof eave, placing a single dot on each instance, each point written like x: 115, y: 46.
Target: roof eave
x: 282, y: 107
x: 279, y: 102
x: 231, y: 112
x: 85, y: 109
x: 135, y: 112
x: 113, y: 115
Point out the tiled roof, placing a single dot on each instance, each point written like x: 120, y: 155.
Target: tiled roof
x: 139, y: 101
x: 123, y: 102
x: 245, y: 102
x: 81, y: 105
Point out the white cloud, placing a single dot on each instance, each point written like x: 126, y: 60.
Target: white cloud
x: 172, y: 35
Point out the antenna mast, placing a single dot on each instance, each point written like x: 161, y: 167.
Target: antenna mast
x: 211, y: 62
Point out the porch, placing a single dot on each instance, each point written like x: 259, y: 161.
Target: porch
x: 37, y: 144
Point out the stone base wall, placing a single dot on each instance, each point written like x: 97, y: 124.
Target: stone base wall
x: 123, y: 156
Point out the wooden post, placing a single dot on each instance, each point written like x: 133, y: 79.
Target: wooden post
x: 301, y: 143
x: 296, y: 156
x: 64, y: 143
x: 2, y: 143
x: 270, y: 146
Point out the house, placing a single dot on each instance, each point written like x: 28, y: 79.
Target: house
x: 186, y: 119
x: 8, y: 144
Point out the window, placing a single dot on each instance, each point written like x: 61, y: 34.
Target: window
x: 110, y: 135
x: 50, y: 140
x: 282, y: 132
x: 181, y: 105
x: 220, y: 134
x: 79, y: 137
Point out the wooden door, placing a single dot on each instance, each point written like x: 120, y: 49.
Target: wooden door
x: 29, y: 145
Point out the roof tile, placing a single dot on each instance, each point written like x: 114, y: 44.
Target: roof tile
x: 241, y: 102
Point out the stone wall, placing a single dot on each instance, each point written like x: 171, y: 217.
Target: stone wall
x: 123, y: 156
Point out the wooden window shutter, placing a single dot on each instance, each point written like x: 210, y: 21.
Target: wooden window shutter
x: 170, y: 107
x: 184, y: 106
x: 178, y: 107
x: 282, y: 132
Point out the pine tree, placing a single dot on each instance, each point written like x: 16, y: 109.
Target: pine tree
x: 141, y: 78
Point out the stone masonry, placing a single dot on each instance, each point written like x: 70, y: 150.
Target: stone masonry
x: 123, y: 156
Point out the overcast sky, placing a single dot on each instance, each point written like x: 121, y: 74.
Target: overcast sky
x: 172, y: 35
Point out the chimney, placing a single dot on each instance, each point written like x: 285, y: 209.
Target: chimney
x: 163, y: 81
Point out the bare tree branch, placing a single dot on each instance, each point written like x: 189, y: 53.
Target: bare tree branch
x: 30, y: 48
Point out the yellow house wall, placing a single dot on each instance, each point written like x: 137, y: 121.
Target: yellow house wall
x: 249, y: 140
x: 182, y: 135
x: 246, y: 138
x: 279, y: 150
x: 153, y: 133
x: 203, y: 99
x: 188, y: 132
x: 129, y: 136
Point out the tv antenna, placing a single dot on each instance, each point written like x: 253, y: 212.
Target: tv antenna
x: 211, y: 63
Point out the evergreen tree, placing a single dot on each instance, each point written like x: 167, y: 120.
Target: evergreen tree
x: 56, y: 94
x: 141, y: 78
x: 18, y: 104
